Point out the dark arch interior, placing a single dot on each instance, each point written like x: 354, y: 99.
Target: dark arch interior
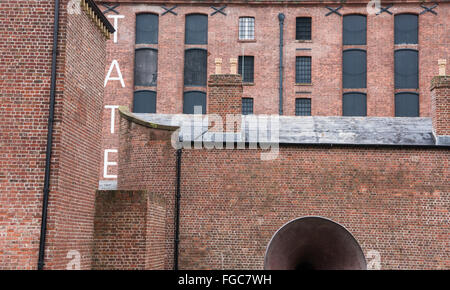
x: 314, y: 243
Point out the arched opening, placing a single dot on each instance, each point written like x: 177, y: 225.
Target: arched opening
x: 314, y: 243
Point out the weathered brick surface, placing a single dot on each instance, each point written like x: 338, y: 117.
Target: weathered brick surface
x: 161, y: 170
x: 393, y: 200
x: 225, y: 96
x: 129, y: 231
x: 26, y: 48
x: 440, y: 104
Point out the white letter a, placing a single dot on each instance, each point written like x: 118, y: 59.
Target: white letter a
x: 118, y: 78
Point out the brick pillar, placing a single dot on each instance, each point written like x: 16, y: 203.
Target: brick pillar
x: 440, y: 106
x: 225, y: 92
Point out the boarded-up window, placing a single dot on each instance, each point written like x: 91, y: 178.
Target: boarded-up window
x: 194, y: 99
x: 247, y: 106
x: 196, y: 29
x: 246, y: 68
x: 406, y: 105
x: 303, y: 70
x: 144, y: 102
x: 406, y: 69
x: 406, y: 26
x: 303, y: 28
x: 354, y: 71
x: 195, y: 67
x: 303, y: 107
x: 354, y: 104
x: 146, y: 67
x: 354, y: 30
x: 147, y: 28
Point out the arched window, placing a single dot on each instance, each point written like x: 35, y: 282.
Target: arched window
x: 144, y: 102
x: 354, y: 68
x: 146, y: 67
x: 146, y: 28
x: 354, y: 29
x: 194, y: 99
x: 406, y: 28
x: 354, y: 104
x: 406, y: 64
x: 195, y: 61
x: 406, y: 104
x: 196, y: 30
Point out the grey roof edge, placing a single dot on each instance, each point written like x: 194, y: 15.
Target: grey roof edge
x: 125, y: 113
x: 441, y: 140
x: 368, y: 131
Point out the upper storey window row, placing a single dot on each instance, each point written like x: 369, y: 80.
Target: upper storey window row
x: 354, y: 29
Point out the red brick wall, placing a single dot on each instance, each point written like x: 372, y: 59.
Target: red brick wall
x: 225, y: 95
x: 26, y: 47
x: 156, y: 232
x: 440, y: 103
x: 25, y: 52
x: 159, y: 172
x: 392, y: 199
x: 129, y: 231
x: 71, y: 211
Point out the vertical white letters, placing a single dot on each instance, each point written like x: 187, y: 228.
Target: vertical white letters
x: 107, y: 163
x: 118, y: 78
x: 116, y: 24
x: 113, y: 116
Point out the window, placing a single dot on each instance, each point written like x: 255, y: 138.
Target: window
x: 196, y: 29
x: 354, y: 29
x: 303, y: 28
x: 246, y: 28
x: 193, y: 99
x: 354, y: 71
x: 406, y: 69
x: 303, y: 70
x: 247, y: 106
x: 354, y: 104
x: 195, y: 67
x: 145, y: 67
x: 303, y: 107
x: 144, y: 102
x: 406, y: 28
x: 246, y: 68
x: 406, y: 105
x: 147, y: 28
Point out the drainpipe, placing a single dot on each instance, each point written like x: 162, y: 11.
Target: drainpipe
x: 48, y: 155
x: 177, y: 210
x: 281, y: 19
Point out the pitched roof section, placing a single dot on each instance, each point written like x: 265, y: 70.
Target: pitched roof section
x: 306, y: 130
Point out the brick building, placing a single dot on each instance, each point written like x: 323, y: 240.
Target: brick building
x: 363, y: 181
x: 338, y: 58
x: 351, y: 189
x: 28, y: 84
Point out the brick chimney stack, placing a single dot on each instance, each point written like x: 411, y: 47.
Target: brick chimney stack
x: 225, y: 91
x: 440, y: 105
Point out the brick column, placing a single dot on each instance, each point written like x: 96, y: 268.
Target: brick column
x: 440, y: 106
x: 225, y: 92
